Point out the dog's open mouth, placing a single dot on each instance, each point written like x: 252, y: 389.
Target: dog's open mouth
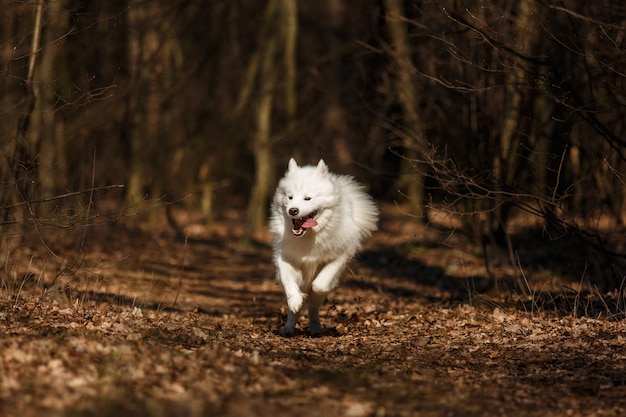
x: 300, y: 225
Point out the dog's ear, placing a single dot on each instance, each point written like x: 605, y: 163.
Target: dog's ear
x: 293, y: 165
x: 321, y: 167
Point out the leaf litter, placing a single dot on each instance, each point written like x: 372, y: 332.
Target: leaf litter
x: 173, y: 327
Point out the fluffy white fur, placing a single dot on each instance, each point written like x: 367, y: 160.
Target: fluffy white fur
x: 318, y: 222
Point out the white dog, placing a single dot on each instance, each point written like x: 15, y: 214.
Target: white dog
x: 318, y: 222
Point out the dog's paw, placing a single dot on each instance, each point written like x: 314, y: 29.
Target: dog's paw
x: 286, y: 331
x: 295, y: 301
x: 321, y: 287
x: 315, y: 329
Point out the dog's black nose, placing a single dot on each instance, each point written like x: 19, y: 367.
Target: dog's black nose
x: 293, y: 211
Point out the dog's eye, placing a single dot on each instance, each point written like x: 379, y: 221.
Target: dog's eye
x: 307, y: 198
x: 290, y: 197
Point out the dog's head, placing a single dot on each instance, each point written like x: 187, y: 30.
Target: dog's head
x: 304, y: 196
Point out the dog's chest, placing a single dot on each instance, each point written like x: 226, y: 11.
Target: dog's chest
x: 305, y: 256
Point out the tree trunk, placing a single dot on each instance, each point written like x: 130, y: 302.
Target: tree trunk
x: 250, y: 79
x: 335, y: 125
x: 414, y: 142
x: 543, y: 127
x: 289, y: 10
x: 23, y: 164
x: 143, y: 115
x: 44, y: 127
x: 506, y: 162
x: 261, y: 143
x: 21, y: 171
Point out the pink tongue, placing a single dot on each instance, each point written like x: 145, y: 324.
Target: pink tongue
x: 308, y: 223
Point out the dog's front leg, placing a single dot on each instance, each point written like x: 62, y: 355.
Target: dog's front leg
x: 315, y: 302
x: 289, y: 328
x: 326, y: 280
x: 328, y: 277
x: 291, y: 279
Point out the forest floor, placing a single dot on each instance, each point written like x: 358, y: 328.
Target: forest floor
x: 122, y: 321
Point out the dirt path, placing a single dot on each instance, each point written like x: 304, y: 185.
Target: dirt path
x: 150, y: 325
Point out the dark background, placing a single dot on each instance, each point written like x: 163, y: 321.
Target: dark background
x: 480, y: 107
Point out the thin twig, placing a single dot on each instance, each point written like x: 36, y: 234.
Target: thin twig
x: 62, y: 196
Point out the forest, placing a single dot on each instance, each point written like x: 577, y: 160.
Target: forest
x: 482, y: 107
x: 141, y: 142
